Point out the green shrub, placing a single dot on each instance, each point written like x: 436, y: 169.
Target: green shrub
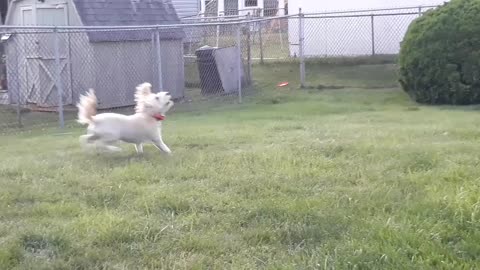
x: 440, y: 55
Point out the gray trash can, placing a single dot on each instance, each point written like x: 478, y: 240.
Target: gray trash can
x: 210, y: 82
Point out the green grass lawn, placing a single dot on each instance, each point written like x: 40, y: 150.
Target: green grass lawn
x: 353, y: 178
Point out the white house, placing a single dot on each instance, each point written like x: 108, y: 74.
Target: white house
x: 187, y: 8
x: 309, y: 6
x: 243, y: 7
x: 353, y: 33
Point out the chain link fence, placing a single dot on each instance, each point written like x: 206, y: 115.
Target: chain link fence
x: 202, y: 62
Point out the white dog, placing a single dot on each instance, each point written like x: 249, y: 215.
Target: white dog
x: 144, y: 126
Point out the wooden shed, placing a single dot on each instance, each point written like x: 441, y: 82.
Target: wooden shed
x: 110, y: 60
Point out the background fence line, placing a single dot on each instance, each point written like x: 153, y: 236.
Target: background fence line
x: 217, y: 62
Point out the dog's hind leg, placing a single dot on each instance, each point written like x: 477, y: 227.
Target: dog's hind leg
x: 112, y: 148
x: 87, y: 140
x: 108, y: 147
x: 84, y: 139
x: 106, y: 142
x: 139, y: 148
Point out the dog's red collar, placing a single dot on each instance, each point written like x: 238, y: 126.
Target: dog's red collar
x: 159, y: 117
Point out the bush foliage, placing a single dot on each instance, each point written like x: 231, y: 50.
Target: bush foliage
x: 440, y: 55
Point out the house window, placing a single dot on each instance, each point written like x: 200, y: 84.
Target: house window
x: 251, y: 3
x: 210, y: 8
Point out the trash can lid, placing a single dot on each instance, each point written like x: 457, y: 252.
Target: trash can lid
x: 206, y: 47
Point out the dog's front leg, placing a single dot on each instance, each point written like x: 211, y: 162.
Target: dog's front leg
x: 139, y: 148
x: 157, y: 140
x: 160, y: 145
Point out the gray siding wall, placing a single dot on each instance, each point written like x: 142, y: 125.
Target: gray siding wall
x: 120, y: 67
x: 173, y: 68
x: 114, y: 69
x: 82, y: 65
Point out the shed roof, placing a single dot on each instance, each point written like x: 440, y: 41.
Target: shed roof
x: 128, y: 13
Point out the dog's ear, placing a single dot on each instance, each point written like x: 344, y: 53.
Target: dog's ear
x: 144, y: 89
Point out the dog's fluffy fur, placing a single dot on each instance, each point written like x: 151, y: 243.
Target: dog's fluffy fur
x: 142, y: 127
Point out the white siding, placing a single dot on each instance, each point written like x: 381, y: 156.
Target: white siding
x: 186, y: 8
x: 352, y: 36
x: 339, y: 5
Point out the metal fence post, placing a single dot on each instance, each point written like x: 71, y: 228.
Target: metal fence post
x: 372, y: 22
x: 280, y: 32
x: 249, y: 48
x: 217, y: 43
x: 301, y: 39
x: 239, y: 62
x: 17, y: 98
x: 419, y: 11
x: 158, y: 49
x: 58, y: 76
x: 260, y: 38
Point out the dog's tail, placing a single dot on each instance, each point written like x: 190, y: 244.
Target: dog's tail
x: 87, y: 107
